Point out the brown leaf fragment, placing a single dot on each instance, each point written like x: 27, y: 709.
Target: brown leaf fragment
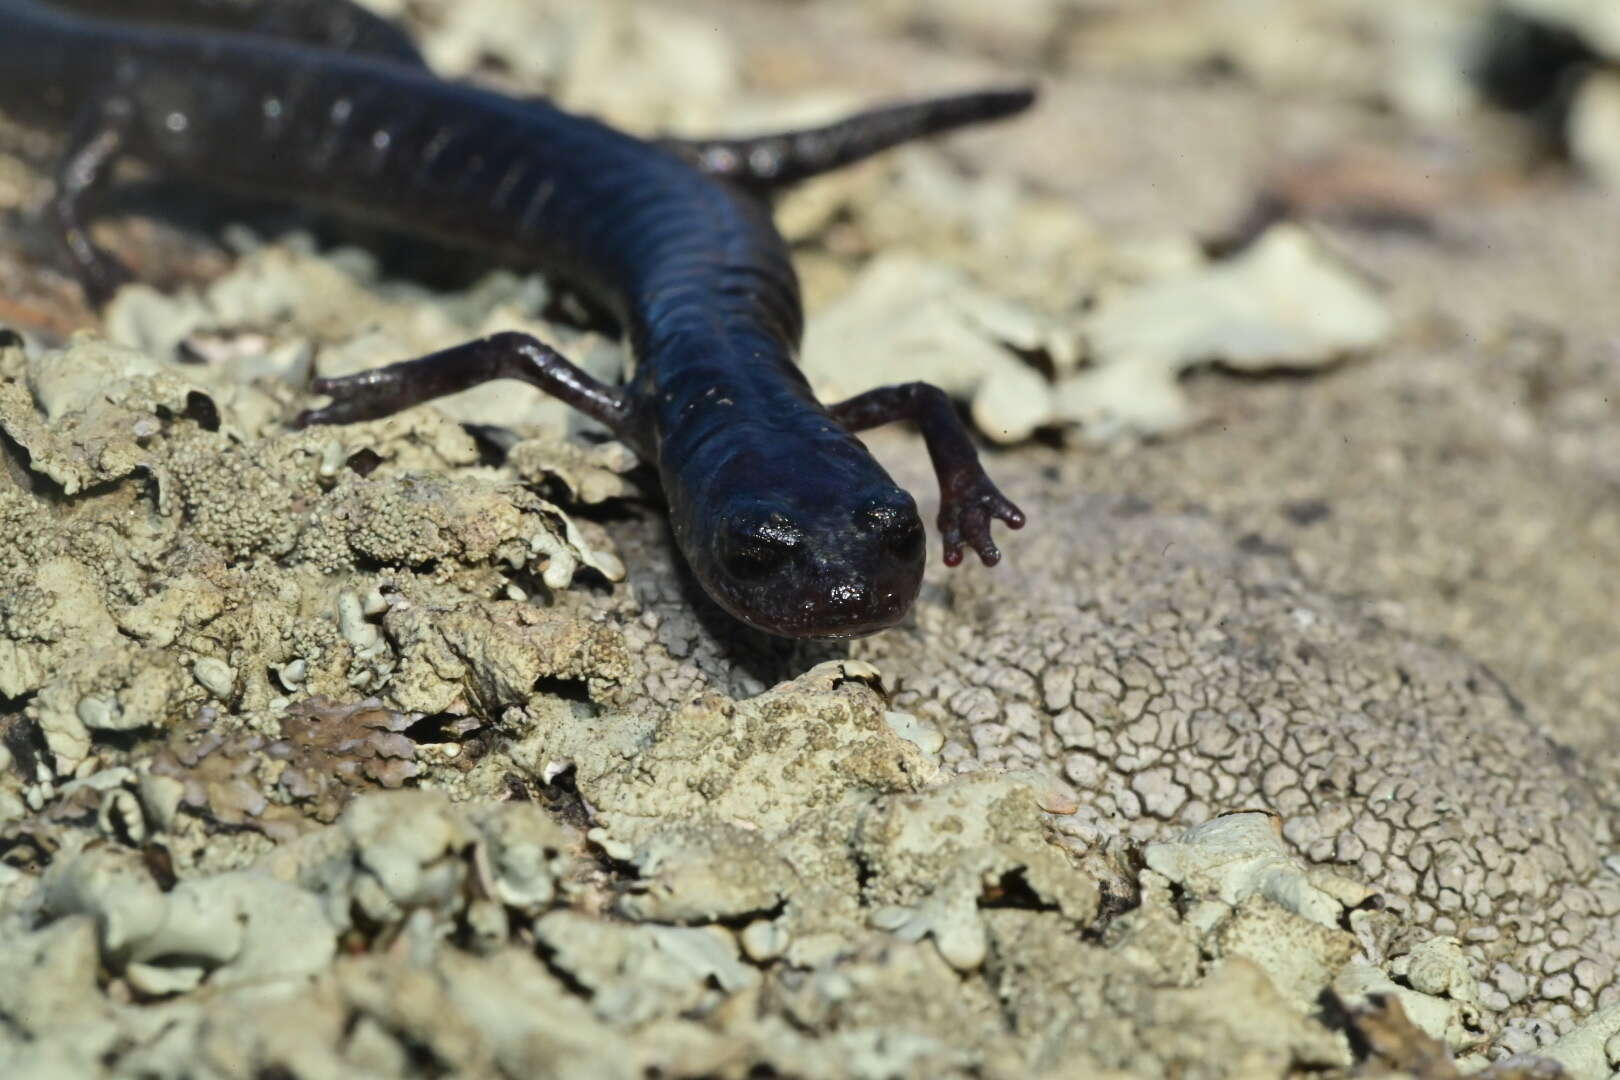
x: 1391, y: 1043
x: 327, y: 754
x: 335, y: 751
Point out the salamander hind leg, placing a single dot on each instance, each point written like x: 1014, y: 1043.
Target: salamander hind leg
x: 968, y: 499
x: 384, y: 391
x: 85, y: 167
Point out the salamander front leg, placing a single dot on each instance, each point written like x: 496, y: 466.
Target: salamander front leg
x: 87, y: 163
x: 968, y: 499
x: 384, y: 391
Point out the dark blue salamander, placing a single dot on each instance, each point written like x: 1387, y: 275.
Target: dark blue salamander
x: 783, y: 515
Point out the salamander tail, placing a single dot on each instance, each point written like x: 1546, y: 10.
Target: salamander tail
x: 763, y: 162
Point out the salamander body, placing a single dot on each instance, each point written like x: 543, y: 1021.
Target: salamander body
x: 782, y: 514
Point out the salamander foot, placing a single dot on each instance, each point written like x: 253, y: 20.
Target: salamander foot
x: 969, y: 502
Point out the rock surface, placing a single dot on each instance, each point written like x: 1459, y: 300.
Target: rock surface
x: 1282, y: 742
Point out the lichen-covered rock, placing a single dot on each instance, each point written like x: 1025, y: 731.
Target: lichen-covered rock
x: 710, y: 872
x: 168, y: 583
x: 948, y: 336
x: 652, y: 842
x: 934, y: 859
x: 493, y: 654
x: 230, y: 929
x: 1591, y: 1049
x: 88, y: 415
x: 1221, y: 681
x: 1283, y: 303
x: 1241, y: 855
x: 1075, y: 1003
x: 1451, y: 1021
x: 57, y: 1018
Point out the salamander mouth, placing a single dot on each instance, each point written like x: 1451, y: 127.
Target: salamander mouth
x: 862, y: 629
x: 820, y: 630
x: 840, y: 611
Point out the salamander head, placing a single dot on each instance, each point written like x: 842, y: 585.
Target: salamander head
x: 808, y: 563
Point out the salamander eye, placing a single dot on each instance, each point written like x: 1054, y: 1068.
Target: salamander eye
x: 905, y: 539
x: 757, y: 542
x: 893, y: 516
x: 751, y: 557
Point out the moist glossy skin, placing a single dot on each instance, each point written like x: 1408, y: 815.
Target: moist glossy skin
x: 826, y: 542
x: 782, y: 514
